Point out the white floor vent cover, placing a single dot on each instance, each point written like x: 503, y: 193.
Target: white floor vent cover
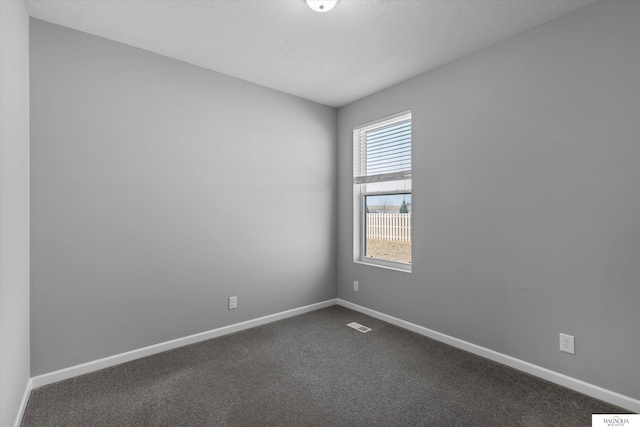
x: 358, y: 327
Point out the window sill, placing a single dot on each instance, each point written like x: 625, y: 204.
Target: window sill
x: 404, y: 268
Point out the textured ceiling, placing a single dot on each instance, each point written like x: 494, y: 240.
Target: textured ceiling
x: 358, y: 48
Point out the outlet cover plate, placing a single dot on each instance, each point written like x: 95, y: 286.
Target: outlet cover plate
x: 567, y: 344
x: 355, y: 285
x: 233, y: 303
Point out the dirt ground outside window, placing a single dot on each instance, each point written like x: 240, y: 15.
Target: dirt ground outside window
x: 389, y: 250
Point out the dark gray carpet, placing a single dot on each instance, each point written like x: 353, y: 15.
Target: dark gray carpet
x: 311, y: 370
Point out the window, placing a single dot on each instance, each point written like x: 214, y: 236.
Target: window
x: 382, y: 192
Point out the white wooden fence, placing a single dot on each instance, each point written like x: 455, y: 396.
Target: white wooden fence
x: 389, y: 226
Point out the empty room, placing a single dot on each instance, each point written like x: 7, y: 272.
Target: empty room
x: 319, y: 213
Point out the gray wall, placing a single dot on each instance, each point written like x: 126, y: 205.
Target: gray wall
x: 14, y: 208
x: 526, y: 200
x: 159, y: 189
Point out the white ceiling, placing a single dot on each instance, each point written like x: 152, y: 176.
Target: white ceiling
x: 334, y: 58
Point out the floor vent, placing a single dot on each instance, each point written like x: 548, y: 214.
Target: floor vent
x: 358, y: 327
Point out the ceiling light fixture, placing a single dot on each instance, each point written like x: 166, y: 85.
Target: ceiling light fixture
x: 322, y: 5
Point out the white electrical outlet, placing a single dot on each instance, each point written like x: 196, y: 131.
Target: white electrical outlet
x: 567, y: 344
x: 233, y: 303
x: 355, y: 285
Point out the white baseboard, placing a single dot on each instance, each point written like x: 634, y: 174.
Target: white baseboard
x: 117, y: 359
x: 554, y: 377
x: 23, y: 403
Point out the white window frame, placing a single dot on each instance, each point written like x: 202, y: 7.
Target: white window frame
x: 360, y: 194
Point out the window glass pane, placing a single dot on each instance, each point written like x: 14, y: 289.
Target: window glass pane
x: 388, y: 227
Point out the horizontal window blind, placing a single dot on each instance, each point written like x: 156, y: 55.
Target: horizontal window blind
x: 383, y: 153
